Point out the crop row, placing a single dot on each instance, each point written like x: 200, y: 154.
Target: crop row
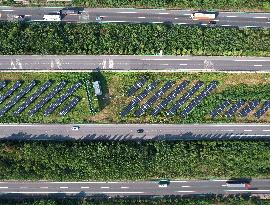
x: 131, y: 39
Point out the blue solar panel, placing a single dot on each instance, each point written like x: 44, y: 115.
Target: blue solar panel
x: 69, y: 106
x: 247, y: 109
x: 263, y: 109
x: 3, y: 84
x: 220, y: 108
x: 209, y: 88
x: 184, y: 98
x: 234, y: 108
x: 136, y: 86
x: 10, y: 90
x: 170, y: 97
x: 137, y: 99
x: 154, y: 98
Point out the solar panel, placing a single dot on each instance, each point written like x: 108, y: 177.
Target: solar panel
x: 14, y: 100
x: 10, y: 90
x: 69, y: 106
x: 247, y: 109
x: 137, y: 85
x: 170, y: 97
x: 234, y: 108
x: 154, y: 98
x: 263, y: 109
x: 31, y: 99
x: 219, y: 108
x: 185, y: 97
x: 48, y: 97
x: 137, y: 99
x: 209, y: 88
x: 62, y: 98
x: 2, y: 84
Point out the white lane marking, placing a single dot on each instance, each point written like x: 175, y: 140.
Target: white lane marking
x: 127, y: 12
x: 7, y: 10
x: 76, y: 182
x: 163, y: 13
x: 157, y: 22
x: 185, y: 186
x: 63, y: 187
x: 204, y: 24
x: 186, y: 14
x: 240, y: 190
x: 179, y: 181
x: 257, y: 65
x: 226, y: 25
x: 182, y: 64
x: 165, y: 64
x: 141, y: 17
x: 266, y: 130
x: 247, y: 60
x: 255, y: 135
x: 227, y: 130
x: 4, y: 187
x: 71, y: 192
x: 158, y: 59
x: 176, y: 18
x: 43, y: 187
x: 185, y: 191
x: 251, y: 26
x: 113, y: 21
x: 260, y: 17
x: 247, y: 130
x: 84, y: 187
x: 181, y: 23
x: 231, y: 16
x: 219, y: 180
x: 223, y: 185
x: 124, y: 187
x: 104, y: 187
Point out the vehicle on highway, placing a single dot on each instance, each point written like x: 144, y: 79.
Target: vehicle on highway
x: 69, y: 11
x: 238, y: 184
x: 140, y: 130
x: 75, y: 128
x: 52, y: 17
x: 207, y: 16
x: 163, y: 183
x: 99, y: 18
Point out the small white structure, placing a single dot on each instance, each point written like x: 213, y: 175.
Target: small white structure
x: 52, y: 17
x: 97, y: 88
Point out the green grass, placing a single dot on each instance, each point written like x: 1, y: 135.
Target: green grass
x: 114, y: 98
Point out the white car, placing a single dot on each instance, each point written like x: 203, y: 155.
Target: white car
x: 163, y: 183
x: 75, y: 128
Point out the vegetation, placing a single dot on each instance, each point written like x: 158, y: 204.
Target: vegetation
x: 84, y: 160
x: 132, y: 39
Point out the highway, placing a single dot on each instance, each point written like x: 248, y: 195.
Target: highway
x: 80, y: 63
x: 120, y: 15
x: 129, y: 131
x: 149, y: 188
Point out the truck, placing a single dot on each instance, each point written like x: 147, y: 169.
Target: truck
x: 52, y: 17
x: 238, y: 185
x: 206, y: 16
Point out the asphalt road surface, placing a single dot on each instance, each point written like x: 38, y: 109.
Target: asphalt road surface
x: 129, y: 131
x: 149, y: 188
x: 133, y: 63
x: 226, y: 19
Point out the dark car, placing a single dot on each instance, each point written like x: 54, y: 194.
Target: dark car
x: 140, y: 130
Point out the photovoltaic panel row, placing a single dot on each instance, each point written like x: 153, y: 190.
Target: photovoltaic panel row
x: 234, y: 108
x: 263, y: 109
x: 62, y: 98
x: 14, y: 100
x: 136, y: 86
x: 48, y: 97
x: 247, y: 109
x: 10, y: 90
x: 154, y: 98
x: 31, y: 99
x: 170, y: 97
x: 184, y: 98
x: 137, y: 99
x: 209, y: 88
x: 2, y: 84
x: 220, y: 108
x: 69, y: 106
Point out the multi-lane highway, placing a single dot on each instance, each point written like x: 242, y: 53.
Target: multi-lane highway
x: 130, y: 131
x: 61, y: 63
x: 149, y: 188
x: 239, y: 19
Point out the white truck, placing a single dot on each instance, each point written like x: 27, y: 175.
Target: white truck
x: 238, y: 185
x: 52, y: 17
x: 197, y: 16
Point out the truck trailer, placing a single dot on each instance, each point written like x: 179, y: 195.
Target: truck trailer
x: 52, y: 17
x: 197, y: 16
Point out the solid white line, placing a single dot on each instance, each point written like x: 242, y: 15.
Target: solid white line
x: 157, y: 22
x: 159, y: 59
x: 257, y: 65
x: 219, y: 180
x: 113, y: 21
x: 104, y: 187
x: 182, y: 64
x: 204, y: 24
x: 186, y: 14
x: 185, y: 186
x: 185, y: 191
x: 63, y: 187
x: 4, y: 187
x: 7, y: 10
x: 251, y: 26
x: 141, y: 17
x: 163, y: 13
x: 247, y: 130
x: 255, y: 60
x: 255, y: 135
x: 240, y: 190
x: 76, y: 182
x: 231, y: 16
x: 181, y: 23
x: 85, y: 187
x: 127, y: 12
x: 260, y: 17
x: 124, y: 187
x: 225, y: 25
x: 179, y: 181
x: 176, y: 18
x: 71, y: 192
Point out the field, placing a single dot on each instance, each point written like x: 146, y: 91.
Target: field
x: 131, y: 39
x: 115, y: 85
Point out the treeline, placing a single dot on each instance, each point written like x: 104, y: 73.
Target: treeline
x: 131, y: 39
x: 84, y: 160
x: 210, y: 200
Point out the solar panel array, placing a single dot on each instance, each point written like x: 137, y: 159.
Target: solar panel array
x: 209, y: 88
x: 137, y: 99
x: 154, y: 98
x: 2, y: 84
x: 10, y: 90
x: 170, y: 97
x: 31, y: 99
x: 48, y: 97
x: 136, y: 86
x: 247, y: 109
x: 184, y: 98
x: 14, y: 100
x: 263, y: 109
x: 69, y: 106
x: 220, y: 108
x: 62, y: 98
x: 234, y: 108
